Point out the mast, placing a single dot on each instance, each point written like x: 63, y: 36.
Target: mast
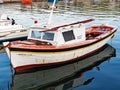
x: 51, y: 13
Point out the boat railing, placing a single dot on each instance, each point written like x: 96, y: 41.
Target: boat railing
x: 56, y: 28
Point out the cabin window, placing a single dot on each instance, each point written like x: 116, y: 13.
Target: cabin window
x: 48, y: 36
x: 68, y: 35
x: 42, y: 35
x: 36, y: 34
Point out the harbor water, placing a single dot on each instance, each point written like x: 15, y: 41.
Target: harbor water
x: 100, y: 71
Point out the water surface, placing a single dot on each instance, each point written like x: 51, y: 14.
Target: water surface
x: 98, y: 72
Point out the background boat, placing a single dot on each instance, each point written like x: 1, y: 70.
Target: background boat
x: 10, y: 30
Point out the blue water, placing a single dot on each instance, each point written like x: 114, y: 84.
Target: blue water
x: 5, y: 72
x: 105, y: 76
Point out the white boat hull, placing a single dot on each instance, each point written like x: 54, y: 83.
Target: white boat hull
x: 13, y: 35
x: 12, y: 32
x: 27, y: 59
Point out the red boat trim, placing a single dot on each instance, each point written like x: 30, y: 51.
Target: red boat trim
x: 56, y: 28
x: 57, y: 49
x: 28, y: 68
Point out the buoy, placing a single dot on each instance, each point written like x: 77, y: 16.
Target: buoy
x: 35, y: 21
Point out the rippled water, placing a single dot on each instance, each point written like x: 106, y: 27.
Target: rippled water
x: 104, y: 67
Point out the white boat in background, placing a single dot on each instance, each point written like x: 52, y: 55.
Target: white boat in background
x: 66, y: 77
x: 5, y: 20
x: 9, y: 30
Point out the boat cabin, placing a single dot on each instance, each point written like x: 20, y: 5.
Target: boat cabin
x: 58, y: 36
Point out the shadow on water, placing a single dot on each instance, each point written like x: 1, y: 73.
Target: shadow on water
x: 63, y: 77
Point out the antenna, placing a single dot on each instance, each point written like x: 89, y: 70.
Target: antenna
x: 51, y: 13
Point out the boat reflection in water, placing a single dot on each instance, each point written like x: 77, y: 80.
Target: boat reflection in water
x: 63, y: 77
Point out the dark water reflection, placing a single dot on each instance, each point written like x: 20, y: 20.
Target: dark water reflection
x: 91, y: 73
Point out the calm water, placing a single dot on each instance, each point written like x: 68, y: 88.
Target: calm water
x: 98, y: 72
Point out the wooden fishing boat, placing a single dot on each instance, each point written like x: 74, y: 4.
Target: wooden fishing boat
x: 49, y: 46
x: 64, y: 77
x: 9, y: 30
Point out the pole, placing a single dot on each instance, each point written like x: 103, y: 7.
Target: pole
x: 51, y: 13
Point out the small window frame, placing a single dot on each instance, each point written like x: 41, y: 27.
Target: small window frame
x: 47, y: 36
x: 68, y: 35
